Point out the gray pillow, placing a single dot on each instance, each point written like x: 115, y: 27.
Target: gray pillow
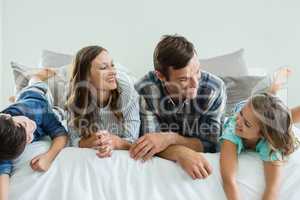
x: 55, y: 59
x: 232, y: 64
x: 59, y: 84
x: 241, y: 88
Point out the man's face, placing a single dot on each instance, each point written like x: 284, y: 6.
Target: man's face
x: 183, y: 83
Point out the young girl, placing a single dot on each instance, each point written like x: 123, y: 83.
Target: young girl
x: 103, y: 107
x: 263, y: 124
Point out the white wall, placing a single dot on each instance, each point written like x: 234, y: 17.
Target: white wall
x: 267, y: 29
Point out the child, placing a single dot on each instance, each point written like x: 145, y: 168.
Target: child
x: 263, y: 124
x: 26, y: 121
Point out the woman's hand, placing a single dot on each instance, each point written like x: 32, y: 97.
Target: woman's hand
x: 110, y: 142
x: 92, y: 141
x: 107, y: 144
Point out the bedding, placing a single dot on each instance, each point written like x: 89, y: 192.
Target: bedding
x: 79, y: 174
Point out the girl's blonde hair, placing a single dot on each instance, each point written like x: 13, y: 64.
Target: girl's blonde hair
x: 275, y: 122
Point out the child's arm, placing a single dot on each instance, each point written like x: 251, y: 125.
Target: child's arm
x: 4, y: 183
x: 43, y: 162
x: 272, y: 178
x: 228, y: 167
x: 296, y: 114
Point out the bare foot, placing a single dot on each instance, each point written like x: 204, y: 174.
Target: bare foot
x: 12, y: 99
x: 279, y: 79
x: 44, y: 74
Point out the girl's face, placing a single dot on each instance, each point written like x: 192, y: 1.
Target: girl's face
x: 247, y: 125
x: 103, y: 74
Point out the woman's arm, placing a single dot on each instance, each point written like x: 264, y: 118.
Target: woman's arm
x: 4, y: 183
x: 272, y: 177
x: 228, y: 167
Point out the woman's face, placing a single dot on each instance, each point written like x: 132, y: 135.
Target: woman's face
x: 247, y: 125
x: 103, y: 74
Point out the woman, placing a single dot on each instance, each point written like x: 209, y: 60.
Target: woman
x: 103, y: 109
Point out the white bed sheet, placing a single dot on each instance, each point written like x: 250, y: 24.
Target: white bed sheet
x: 79, y: 174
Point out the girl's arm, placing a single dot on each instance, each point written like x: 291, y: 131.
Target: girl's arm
x: 272, y: 177
x: 228, y: 166
x: 4, y: 183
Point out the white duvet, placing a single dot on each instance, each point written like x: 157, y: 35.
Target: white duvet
x: 79, y: 174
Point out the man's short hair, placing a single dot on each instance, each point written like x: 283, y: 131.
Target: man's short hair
x: 12, y: 138
x: 172, y: 51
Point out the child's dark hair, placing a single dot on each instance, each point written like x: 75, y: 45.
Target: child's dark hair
x: 173, y: 51
x: 12, y: 138
x: 275, y: 122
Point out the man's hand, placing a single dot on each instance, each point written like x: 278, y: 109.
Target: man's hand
x: 194, y: 164
x: 41, y: 163
x: 149, y: 145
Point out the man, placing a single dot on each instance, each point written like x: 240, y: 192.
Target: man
x: 181, y: 108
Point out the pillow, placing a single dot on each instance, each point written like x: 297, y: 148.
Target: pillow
x: 232, y: 64
x: 58, y: 84
x: 54, y: 59
x: 241, y: 88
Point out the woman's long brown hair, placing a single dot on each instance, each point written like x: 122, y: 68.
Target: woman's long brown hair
x: 82, y: 103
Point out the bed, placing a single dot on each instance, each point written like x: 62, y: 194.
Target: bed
x: 79, y: 174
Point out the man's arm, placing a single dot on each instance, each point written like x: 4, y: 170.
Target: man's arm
x: 4, y: 184
x: 153, y: 143
x: 193, y: 163
x: 189, y: 142
x: 165, y: 146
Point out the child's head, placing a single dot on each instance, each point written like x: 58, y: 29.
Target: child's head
x: 15, y: 133
x: 266, y: 116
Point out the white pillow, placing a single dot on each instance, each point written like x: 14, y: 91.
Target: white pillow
x: 55, y: 59
x: 232, y: 64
